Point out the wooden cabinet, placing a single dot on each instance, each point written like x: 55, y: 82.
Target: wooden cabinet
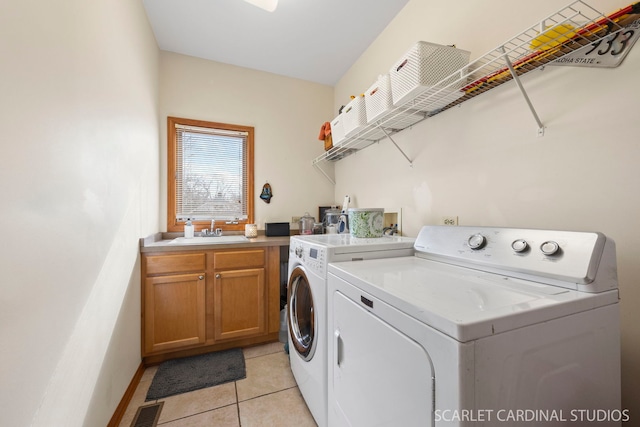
x: 202, y: 301
x: 173, y: 302
x: 239, y: 303
x: 173, y: 264
x: 174, y: 311
x: 239, y: 294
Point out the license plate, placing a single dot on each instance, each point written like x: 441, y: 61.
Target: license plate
x: 608, y: 52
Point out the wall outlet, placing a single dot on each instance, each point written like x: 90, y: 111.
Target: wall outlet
x: 295, y: 219
x: 449, y: 220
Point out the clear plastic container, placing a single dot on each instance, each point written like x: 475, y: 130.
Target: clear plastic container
x: 306, y: 224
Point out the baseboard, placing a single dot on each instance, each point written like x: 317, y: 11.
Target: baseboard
x: 126, y: 399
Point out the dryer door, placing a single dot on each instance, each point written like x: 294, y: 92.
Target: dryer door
x: 380, y: 375
x: 301, y: 314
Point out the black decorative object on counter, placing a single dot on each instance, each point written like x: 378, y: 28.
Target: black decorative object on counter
x: 276, y: 229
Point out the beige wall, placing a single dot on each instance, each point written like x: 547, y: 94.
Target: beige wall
x: 286, y: 113
x: 83, y: 178
x: 483, y: 162
x: 79, y: 187
x: 85, y: 95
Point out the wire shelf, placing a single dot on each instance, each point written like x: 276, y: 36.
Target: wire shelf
x: 572, y: 28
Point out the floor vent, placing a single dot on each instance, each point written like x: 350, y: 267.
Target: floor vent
x: 147, y: 416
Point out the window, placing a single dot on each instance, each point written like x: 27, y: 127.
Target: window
x: 210, y: 174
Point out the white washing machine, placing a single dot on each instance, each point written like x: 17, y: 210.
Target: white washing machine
x: 482, y: 326
x: 307, y: 308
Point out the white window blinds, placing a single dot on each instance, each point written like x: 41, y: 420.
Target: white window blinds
x: 211, y: 173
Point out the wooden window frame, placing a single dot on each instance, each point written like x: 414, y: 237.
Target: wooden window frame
x: 173, y: 225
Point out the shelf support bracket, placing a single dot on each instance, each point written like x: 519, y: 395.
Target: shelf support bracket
x: 523, y: 91
x: 324, y: 173
x: 397, y: 146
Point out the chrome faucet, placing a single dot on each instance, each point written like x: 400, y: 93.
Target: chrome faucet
x: 390, y: 231
x: 213, y: 231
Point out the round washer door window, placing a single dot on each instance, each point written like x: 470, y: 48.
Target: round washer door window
x: 301, y: 314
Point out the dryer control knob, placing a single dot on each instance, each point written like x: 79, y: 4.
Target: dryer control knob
x: 549, y: 247
x: 299, y: 251
x: 477, y: 241
x: 519, y: 245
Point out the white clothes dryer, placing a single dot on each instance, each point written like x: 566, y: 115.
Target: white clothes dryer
x: 482, y: 326
x: 309, y: 256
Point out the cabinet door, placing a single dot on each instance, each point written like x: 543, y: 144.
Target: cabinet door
x: 239, y: 303
x: 174, y: 312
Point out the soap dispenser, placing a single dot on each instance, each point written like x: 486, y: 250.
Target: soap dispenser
x: 188, y: 229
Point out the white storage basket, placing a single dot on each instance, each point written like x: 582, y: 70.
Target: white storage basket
x: 377, y: 98
x: 423, y: 72
x: 354, y: 116
x: 379, y: 103
x: 337, y: 130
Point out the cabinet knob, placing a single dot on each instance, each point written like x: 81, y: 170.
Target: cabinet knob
x: 218, y: 276
x: 201, y: 277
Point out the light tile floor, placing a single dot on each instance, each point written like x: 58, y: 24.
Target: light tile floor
x: 268, y: 396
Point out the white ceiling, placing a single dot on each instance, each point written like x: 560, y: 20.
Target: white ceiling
x: 314, y: 40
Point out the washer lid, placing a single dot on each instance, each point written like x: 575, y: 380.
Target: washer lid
x: 346, y: 244
x: 463, y: 303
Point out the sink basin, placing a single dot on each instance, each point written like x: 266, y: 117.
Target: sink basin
x: 208, y: 240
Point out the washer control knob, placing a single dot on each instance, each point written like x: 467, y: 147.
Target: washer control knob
x: 549, y: 247
x: 299, y: 251
x: 477, y: 241
x: 519, y: 245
